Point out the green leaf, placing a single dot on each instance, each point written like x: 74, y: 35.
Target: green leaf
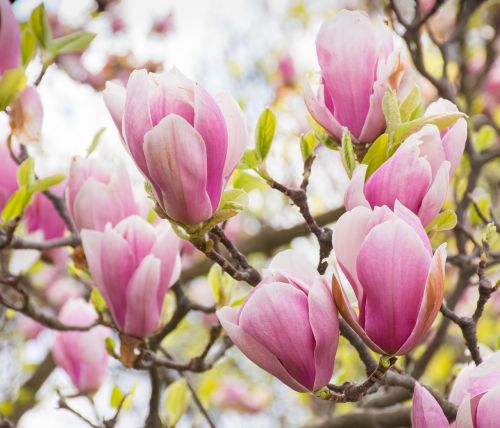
x: 221, y: 284
x: 376, y: 154
x: 12, y: 83
x: 26, y: 173
x: 176, y: 401
x: 39, y: 23
x: 390, y: 107
x: 442, y: 121
x: 489, y: 232
x: 117, y: 397
x: 110, y: 346
x: 47, y: 182
x: 97, y: 300
x: 264, y: 133
x: 234, y: 198
x: 485, y: 137
x: 28, y: 44
x: 76, y: 42
x: 445, y: 220
x: 246, y: 181
x: 483, y: 202
x: 250, y: 160
x: 95, y: 141
x: 347, y: 152
x: 412, y: 105
x: 16, y: 204
x: 308, y: 143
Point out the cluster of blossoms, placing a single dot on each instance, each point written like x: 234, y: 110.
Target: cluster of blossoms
x: 187, y: 143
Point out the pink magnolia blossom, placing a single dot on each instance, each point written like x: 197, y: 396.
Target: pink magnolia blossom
x: 8, y: 177
x: 386, y: 258
x: 82, y: 355
x: 286, y: 69
x: 10, y: 38
x: 41, y: 214
x: 184, y: 141
x: 417, y: 174
x: 94, y: 184
x: 425, y: 410
x: 358, y: 63
x: 26, y: 116
x: 235, y: 394
x: 133, y: 264
x: 288, y: 324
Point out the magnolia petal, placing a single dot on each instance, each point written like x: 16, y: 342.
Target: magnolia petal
x: 177, y: 164
x: 436, y: 195
x: 114, y: 96
x: 431, y: 301
x: 425, y: 410
x: 355, y: 193
x: 254, y: 350
x: 10, y: 38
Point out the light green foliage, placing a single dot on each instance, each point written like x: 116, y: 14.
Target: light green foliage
x: 412, y: 106
x: 97, y: 300
x: 445, y: 220
x: 264, y: 133
x: 11, y: 84
x: 221, y: 284
x: 95, y: 141
x: 308, y: 143
x: 390, y: 106
x: 40, y: 26
x: 28, y: 44
x: 347, y: 152
x: 485, y: 138
x: 176, y: 401
x: 75, y: 42
x: 377, y: 154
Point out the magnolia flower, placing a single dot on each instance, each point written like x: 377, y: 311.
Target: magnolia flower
x: 185, y: 142
x: 133, y: 265
x: 82, y: 355
x: 386, y: 258
x: 288, y: 324
x: 26, y: 116
x: 417, y: 174
x: 94, y: 184
x: 358, y: 63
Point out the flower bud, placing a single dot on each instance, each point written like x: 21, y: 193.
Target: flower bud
x: 288, y: 324
x: 386, y: 258
x: 358, y: 63
x: 417, y: 174
x: 133, y: 265
x: 94, y: 184
x: 185, y: 142
x: 82, y: 354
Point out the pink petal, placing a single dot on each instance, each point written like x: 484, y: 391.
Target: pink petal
x: 137, y: 118
x: 405, y: 176
x: 355, y: 193
x: 431, y: 300
x: 409, y: 217
x: 324, y: 321
x: 254, y: 350
x: 210, y: 124
x: 425, y: 411
x: 114, y: 96
x: 237, y: 134
x: 460, y: 384
x: 393, y: 283
x: 143, y: 314
x: 487, y: 410
x: 139, y: 235
x: 374, y: 123
x: 436, y: 195
x: 430, y: 146
x: 319, y: 111
x: 464, y: 414
x: 348, y: 54
x: 454, y: 143
x: 177, y: 163
x: 10, y: 38
x: 291, y: 266
x: 348, y: 236
x: 277, y: 315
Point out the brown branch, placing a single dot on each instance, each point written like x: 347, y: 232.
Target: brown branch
x: 153, y: 419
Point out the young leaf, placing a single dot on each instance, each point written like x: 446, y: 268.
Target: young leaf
x: 39, y: 23
x: 76, y: 42
x: 12, y: 83
x: 47, y: 182
x: 308, y: 142
x: 485, y: 137
x: 110, y: 346
x: 442, y: 121
x: 26, y: 173
x: 28, y: 44
x: 249, y: 160
x: 95, y: 141
x: 445, y: 220
x: 16, y: 204
x: 97, y: 300
x: 412, y: 105
x: 117, y: 397
x: 347, y: 152
x: 176, y: 401
x: 376, y: 154
x: 390, y: 106
x: 234, y: 198
x: 264, y: 134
